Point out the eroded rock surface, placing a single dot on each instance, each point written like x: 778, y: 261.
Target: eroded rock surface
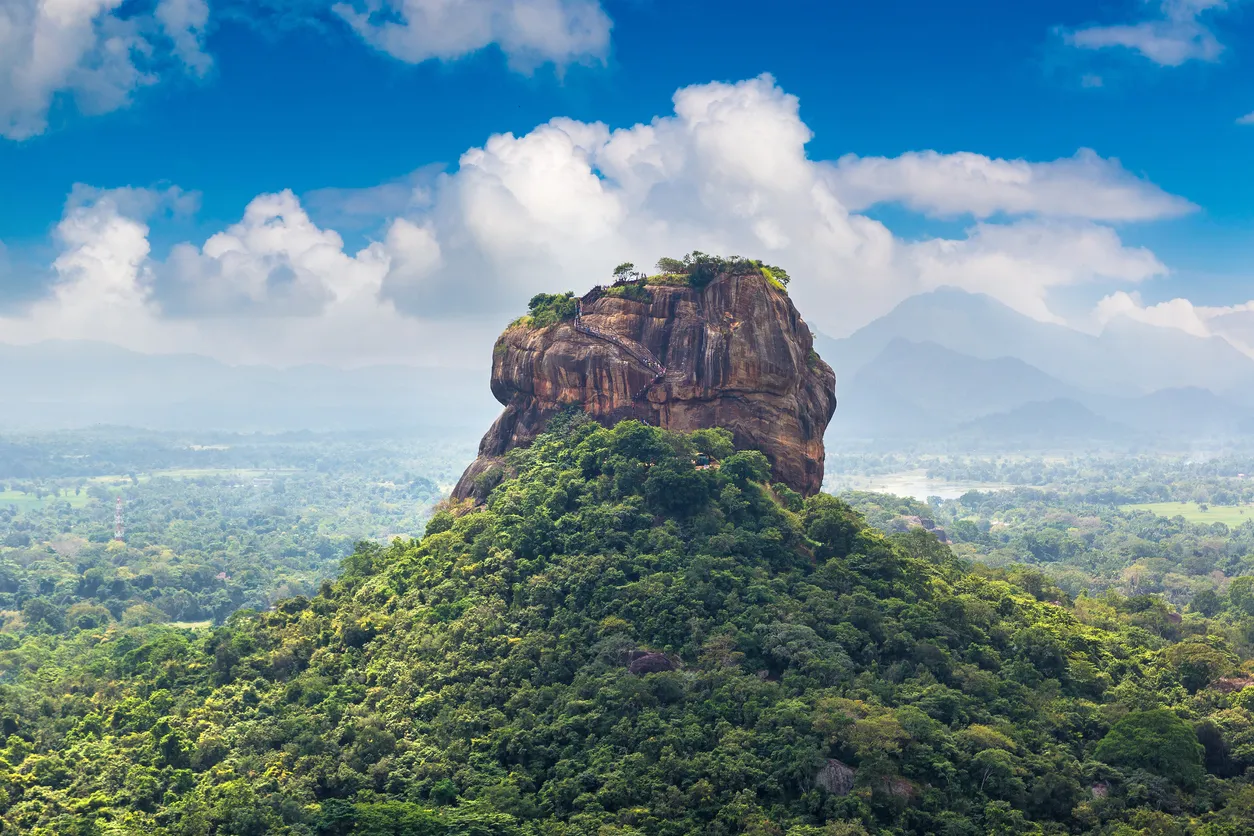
x: 736, y: 355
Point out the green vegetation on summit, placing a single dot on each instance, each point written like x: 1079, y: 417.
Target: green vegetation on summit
x: 695, y: 270
x: 637, y: 634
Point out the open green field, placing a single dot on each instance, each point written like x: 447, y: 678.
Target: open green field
x: 25, y: 500
x: 239, y: 473
x: 190, y: 625
x: 1231, y: 515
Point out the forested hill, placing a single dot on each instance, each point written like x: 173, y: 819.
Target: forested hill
x: 624, y: 641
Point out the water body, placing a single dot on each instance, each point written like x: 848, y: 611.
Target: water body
x: 911, y: 483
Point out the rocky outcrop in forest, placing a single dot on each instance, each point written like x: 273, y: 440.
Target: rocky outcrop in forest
x: 732, y: 353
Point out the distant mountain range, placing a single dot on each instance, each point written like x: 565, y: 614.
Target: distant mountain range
x: 56, y: 385
x: 946, y: 365
x: 951, y: 364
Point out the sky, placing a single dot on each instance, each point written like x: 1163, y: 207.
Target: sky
x: 388, y: 181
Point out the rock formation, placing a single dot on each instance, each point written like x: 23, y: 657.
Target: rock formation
x: 836, y: 778
x: 733, y: 354
x: 641, y: 662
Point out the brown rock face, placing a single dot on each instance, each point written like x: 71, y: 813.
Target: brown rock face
x: 649, y: 662
x: 735, y: 354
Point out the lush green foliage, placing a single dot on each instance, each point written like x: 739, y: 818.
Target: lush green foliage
x: 202, y: 540
x: 697, y: 269
x: 1224, y: 478
x: 484, y: 680
x: 1157, y: 741
x: 547, y: 309
x: 636, y: 292
x: 1088, y: 547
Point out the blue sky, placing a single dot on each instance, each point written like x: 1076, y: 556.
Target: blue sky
x: 246, y: 103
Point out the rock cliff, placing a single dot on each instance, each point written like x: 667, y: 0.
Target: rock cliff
x: 734, y: 354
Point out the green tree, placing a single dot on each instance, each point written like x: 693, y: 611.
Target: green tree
x: 1157, y: 741
x: 1197, y: 664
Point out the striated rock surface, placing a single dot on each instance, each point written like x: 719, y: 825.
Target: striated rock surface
x: 836, y: 778
x: 735, y: 353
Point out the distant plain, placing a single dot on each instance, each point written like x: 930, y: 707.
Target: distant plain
x: 1231, y: 515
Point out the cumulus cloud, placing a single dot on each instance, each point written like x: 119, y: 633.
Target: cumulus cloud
x: 1179, y: 314
x: 274, y: 261
x: 529, y: 32
x: 97, y: 52
x: 1175, y: 36
x: 1233, y: 323
x: 101, y: 274
x: 949, y: 185
x: 108, y: 287
x: 552, y: 209
x: 728, y: 172
x: 1247, y: 119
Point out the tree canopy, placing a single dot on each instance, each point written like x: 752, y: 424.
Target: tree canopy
x: 623, y: 642
x: 1157, y: 741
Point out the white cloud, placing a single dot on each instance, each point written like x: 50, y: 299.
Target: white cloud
x: 553, y: 209
x: 1233, y: 323
x: 728, y: 173
x: 101, y: 276
x: 1247, y: 119
x: 184, y: 22
x: 529, y: 32
x: 108, y: 288
x: 948, y: 185
x: 95, y: 51
x: 1020, y: 263
x: 1177, y: 35
x: 137, y: 203
x: 1179, y: 314
x: 564, y: 203
x: 99, y: 53
x: 274, y: 261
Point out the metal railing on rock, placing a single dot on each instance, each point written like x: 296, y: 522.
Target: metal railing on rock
x: 637, y: 351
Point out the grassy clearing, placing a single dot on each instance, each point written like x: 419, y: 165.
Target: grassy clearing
x: 239, y: 473
x: 1232, y: 515
x: 25, y: 501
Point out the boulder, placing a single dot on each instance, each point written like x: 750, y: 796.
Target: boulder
x: 649, y: 662
x: 836, y: 778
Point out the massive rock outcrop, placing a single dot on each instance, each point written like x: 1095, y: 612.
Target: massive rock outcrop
x: 734, y: 354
